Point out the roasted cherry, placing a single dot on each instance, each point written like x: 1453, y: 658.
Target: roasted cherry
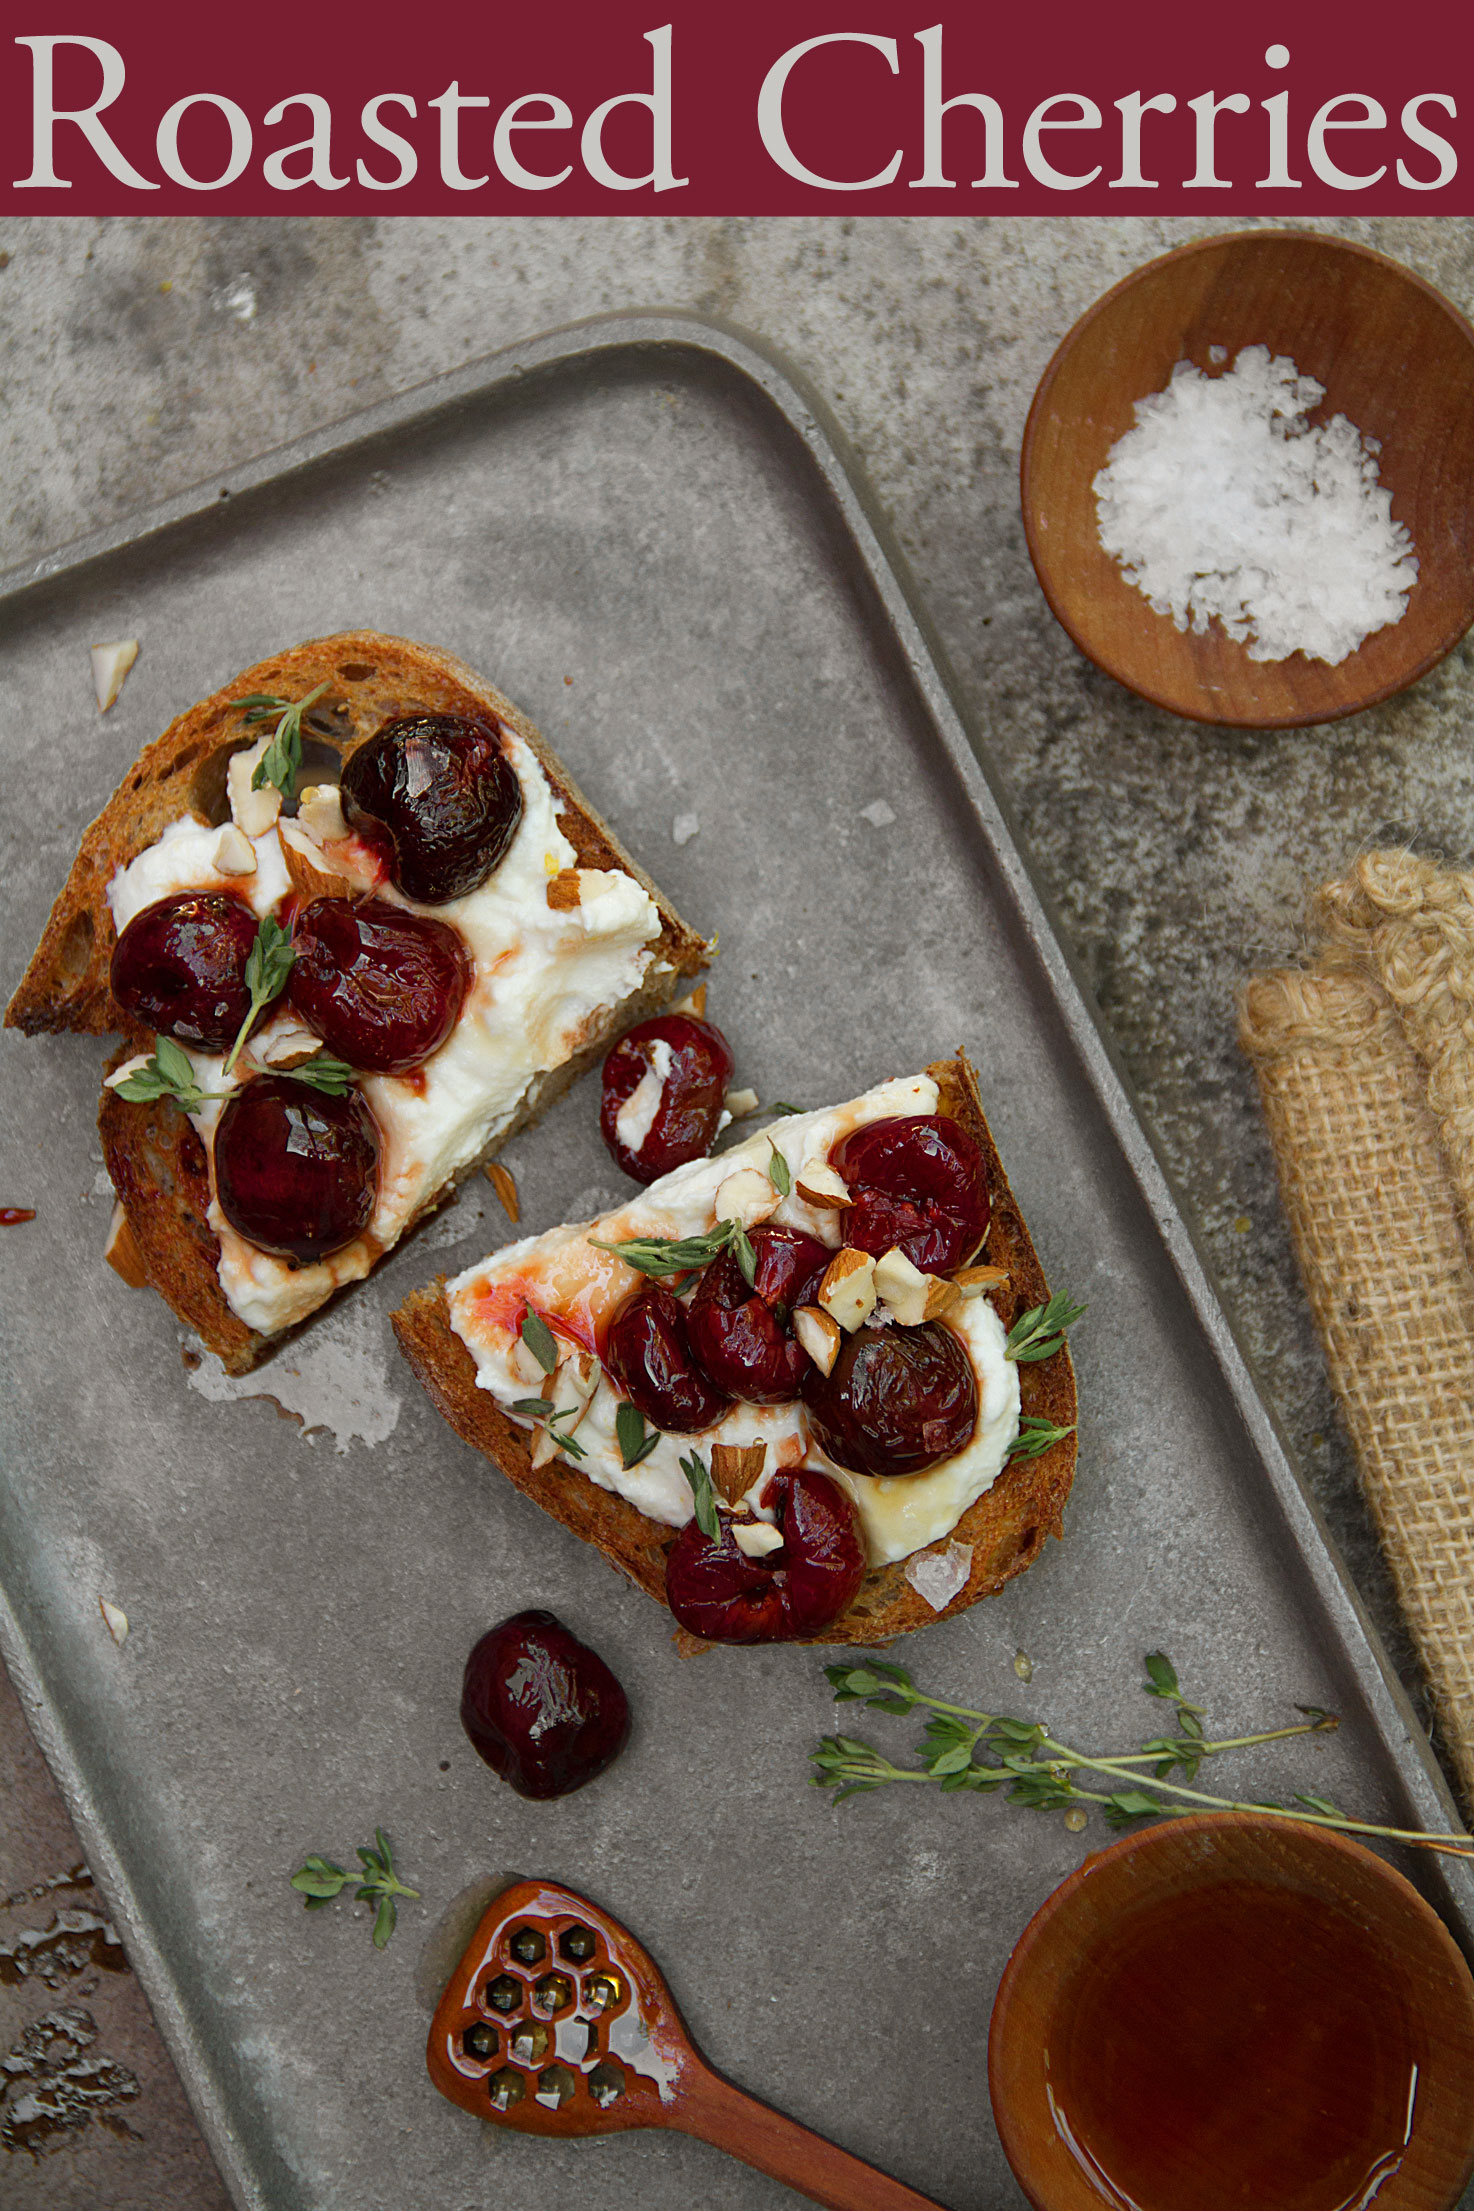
x: 296, y: 1171
x: 689, y: 1065
x: 917, y: 1182
x: 180, y: 968
x: 716, y: 1591
x: 741, y: 1335
x: 896, y: 1401
x: 541, y: 1708
x: 436, y: 796
x: 383, y: 988
x: 648, y: 1353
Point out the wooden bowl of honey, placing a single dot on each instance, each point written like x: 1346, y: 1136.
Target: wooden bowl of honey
x: 1231, y: 2012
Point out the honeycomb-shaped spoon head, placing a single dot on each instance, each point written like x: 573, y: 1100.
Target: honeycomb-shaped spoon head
x: 557, y: 2022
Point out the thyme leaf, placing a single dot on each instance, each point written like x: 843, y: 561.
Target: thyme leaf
x: 1036, y: 1436
x: 1040, y: 1332
x: 540, y: 1340
x: 695, y: 1470
x: 319, y: 1880
x: 629, y: 1431
x: 659, y: 1256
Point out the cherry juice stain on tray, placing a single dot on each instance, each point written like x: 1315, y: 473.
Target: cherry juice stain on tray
x: 11, y: 1216
x: 1241, y: 2044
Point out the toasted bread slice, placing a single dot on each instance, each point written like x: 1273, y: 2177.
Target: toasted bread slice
x: 154, y: 1156
x: 1006, y: 1526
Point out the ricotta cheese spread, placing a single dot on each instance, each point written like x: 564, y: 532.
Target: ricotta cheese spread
x: 564, y: 1277
x: 545, y: 980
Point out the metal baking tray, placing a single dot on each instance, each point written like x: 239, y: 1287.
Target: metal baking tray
x: 645, y: 532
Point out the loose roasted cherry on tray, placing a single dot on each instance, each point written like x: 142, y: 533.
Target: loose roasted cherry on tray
x: 648, y: 1353
x: 917, y: 1182
x: 541, y: 1708
x: 180, y: 968
x: 383, y: 988
x: 716, y: 1591
x: 438, y: 798
x: 741, y: 1335
x: 896, y: 1401
x: 693, y: 1064
x: 296, y: 1171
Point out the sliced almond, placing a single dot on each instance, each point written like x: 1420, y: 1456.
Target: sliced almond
x: 757, y: 1537
x: 740, y: 1103
x: 564, y: 891
x: 544, y: 1448
x: 736, y: 1466
x: 847, y: 1291
x: 819, y: 1336
x: 122, y: 1253
x: 253, y: 811
x: 941, y: 1296
x: 110, y: 665
x: 818, y: 1184
x: 748, y: 1197
x: 972, y: 1281
x: 320, y: 811
x: 502, y: 1182
x: 307, y: 865
x: 234, y: 852
x: 694, y: 1003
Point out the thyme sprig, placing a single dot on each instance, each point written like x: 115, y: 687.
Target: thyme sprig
x: 319, y: 1881
x: 281, y: 762
x: 168, y: 1073
x: 269, y: 963
x: 1036, y: 1436
x: 659, y: 1256
x: 1040, y: 1332
x: 962, y: 1748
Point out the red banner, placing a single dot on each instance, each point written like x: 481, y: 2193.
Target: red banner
x: 893, y: 109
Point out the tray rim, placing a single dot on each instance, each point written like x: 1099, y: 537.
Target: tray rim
x: 673, y: 335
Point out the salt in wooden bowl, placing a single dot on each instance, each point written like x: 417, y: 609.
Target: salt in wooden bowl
x: 1394, y: 357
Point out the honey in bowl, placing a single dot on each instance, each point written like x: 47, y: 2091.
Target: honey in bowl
x: 1239, y: 2046
x: 1233, y: 2012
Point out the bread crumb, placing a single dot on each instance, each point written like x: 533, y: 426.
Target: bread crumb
x: 685, y: 827
x: 878, y: 814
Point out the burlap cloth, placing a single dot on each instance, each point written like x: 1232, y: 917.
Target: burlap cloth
x: 1365, y: 1060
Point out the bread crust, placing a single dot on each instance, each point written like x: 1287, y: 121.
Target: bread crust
x: 153, y: 1154
x: 1007, y: 1526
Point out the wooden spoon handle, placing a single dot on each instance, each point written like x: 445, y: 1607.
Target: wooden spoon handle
x: 713, y: 2109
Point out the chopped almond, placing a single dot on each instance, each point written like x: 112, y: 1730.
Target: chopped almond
x: 736, y: 1466
x: 501, y: 1181
x: 320, y: 812
x: 564, y: 892
x: 748, y: 1197
x: 122, y: 1253
x: 288, y: 1044
x: 252, y: 811
x: 234, y: 852
x: 912, y: 1295
x: 818, y: 1184
x: 115, y: 1619
x: 818, y: 1335
x: 110, y: 665
x: 847, y: 1291
x: 693, y: 1003
x: 757, y: 1537
x: 304, y: 858
x: 972, y: 1281
x: 740, y: 1103
x: 544, y: 1445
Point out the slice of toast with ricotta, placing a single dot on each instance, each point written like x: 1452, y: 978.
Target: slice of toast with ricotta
x: 573, y: 942
x: 936, y: 1542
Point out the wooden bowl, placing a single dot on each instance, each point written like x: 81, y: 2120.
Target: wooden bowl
x: 1393, y: 356
x: 1228, y: 2011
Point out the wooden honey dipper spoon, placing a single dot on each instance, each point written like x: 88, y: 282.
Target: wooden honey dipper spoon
x: 557, y: 2022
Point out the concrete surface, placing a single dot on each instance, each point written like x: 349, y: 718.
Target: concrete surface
x: 136, y: 357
